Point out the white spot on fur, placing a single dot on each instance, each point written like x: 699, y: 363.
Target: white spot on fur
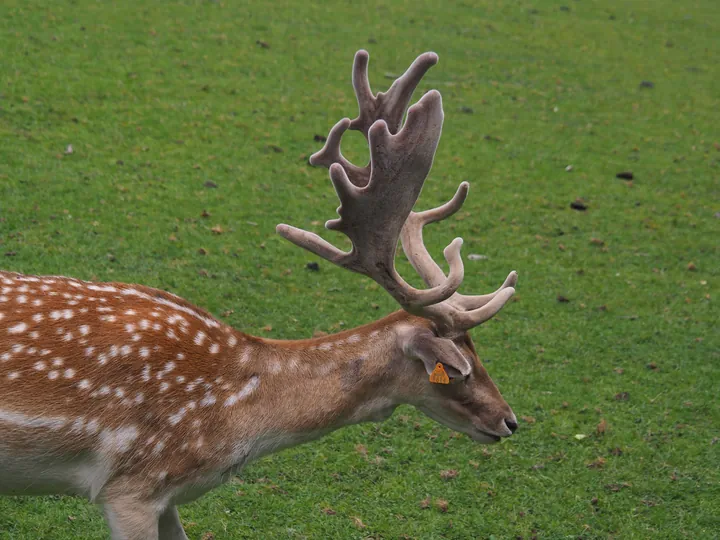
x: 84, y: 384
x: 118, y: 440
x: 208, y: 400
x: 69, y: 373
x: 19, y: 328
x: 164, y: 386
x: 174, y: 419
x: 33, y: 422
x: 199, y: 338
x: 84, y: 329
x: 52, y: 375
x: 214, y: 348
x: 246, y: 390
x: 40, y: 366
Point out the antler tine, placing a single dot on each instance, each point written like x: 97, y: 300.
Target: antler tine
x: 422, y: 261
x: 373, y: 216
x: 412, y: 236
x: 389, y: 106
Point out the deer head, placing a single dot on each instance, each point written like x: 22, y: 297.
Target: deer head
x: 376, y: 210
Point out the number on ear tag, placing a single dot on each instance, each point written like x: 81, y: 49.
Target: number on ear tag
x: 439, y: 375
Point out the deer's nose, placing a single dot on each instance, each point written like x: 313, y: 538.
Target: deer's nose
x: 511, y: 424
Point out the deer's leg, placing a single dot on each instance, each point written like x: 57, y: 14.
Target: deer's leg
x: 131, y: 518
x: 170, y: 526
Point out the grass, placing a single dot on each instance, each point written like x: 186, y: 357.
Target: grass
x: 158, y: 99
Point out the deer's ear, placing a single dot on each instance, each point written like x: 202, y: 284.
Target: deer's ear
x: 430, y: 349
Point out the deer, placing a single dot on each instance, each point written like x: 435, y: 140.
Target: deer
x: 140, y: 401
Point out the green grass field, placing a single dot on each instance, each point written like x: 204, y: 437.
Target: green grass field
x: 162, y: 100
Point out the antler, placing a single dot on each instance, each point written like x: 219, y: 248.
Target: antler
x: 377, y: 201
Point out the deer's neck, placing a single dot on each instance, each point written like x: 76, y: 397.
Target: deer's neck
x: 305, y: 389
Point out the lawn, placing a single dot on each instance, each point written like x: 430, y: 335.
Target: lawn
x: 160, y: 143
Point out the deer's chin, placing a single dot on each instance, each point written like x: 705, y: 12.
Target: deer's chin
x: 483, y: 437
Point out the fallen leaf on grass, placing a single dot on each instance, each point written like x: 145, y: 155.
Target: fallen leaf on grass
x: 448, y: 474
x: 622, y: 396
x: 579, y: 204
x: 361, y: 449
x: 358, y: 522
x: 267, y: 328
x: 562, y: 299
x: 441, y: 505
x: 328, y: 511
x: 425, y: 503
x: 599, y: 463
x: 477, y: 257
x: 528, y: 419
x: 580, y: 436
x: 217, y: 229
x: 602, y: 426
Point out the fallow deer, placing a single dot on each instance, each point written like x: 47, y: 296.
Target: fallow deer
x: 140, y: 401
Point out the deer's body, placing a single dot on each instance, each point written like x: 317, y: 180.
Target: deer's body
x: 125, y: 381
x: 140, y: 401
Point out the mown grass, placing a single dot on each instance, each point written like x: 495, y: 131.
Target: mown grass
x: 157, y: 99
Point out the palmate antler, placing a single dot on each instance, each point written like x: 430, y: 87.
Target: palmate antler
x: 376, y: 202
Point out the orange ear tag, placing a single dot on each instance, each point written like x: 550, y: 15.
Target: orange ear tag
x: 438, y: 375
